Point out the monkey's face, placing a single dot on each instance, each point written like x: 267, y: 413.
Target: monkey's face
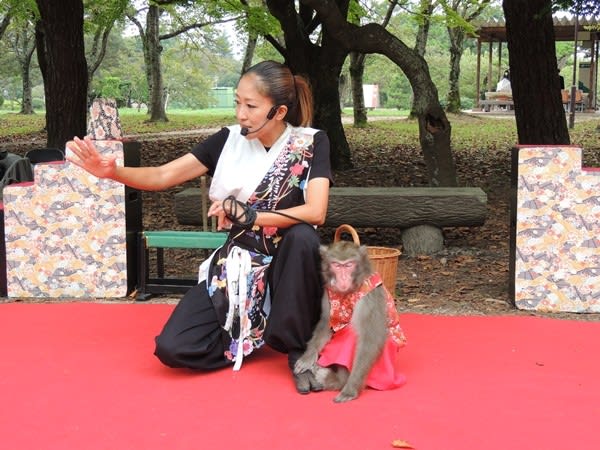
x: 342, y: 272
x: 345, y: 266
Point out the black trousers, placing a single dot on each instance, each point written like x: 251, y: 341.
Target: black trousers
x: 193, y: 337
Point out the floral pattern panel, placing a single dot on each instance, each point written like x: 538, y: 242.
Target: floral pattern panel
x: 65, y: 233
x: 555, y: 236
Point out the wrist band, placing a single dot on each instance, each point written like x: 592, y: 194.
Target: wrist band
x: 245, y: 218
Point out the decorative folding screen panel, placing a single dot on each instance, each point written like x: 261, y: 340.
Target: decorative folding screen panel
x: 555, y: 230
x: 65, y: 232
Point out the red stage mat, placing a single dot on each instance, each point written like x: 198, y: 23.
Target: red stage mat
x: 82, y: 376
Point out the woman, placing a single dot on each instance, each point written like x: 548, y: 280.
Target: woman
x: 270, y: 187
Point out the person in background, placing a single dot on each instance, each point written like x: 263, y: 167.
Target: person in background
x: 582, y: 87
x: 270, y: 188
x: 561, y: 80
x: 504, y: 83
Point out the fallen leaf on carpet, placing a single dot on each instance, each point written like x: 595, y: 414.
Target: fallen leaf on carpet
x: 399, y: 443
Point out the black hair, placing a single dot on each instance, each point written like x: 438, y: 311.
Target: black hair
x: 276, y: 81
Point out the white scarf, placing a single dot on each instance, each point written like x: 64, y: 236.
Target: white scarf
x: 243, y: 164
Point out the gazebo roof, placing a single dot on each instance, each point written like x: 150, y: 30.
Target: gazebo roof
x: 564, y: 29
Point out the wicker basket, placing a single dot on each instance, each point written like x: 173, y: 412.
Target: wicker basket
x: 384, y: 259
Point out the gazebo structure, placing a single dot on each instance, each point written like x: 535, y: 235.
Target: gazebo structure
x: 565, y: 28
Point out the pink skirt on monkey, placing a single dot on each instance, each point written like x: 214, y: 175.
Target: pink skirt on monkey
x: 385, y: 373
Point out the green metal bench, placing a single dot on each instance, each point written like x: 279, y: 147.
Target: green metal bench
x: 208, y: 239
x: 160, y: 240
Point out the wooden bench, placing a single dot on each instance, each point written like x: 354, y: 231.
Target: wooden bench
x: 412, y: 209
x: 496, y: 104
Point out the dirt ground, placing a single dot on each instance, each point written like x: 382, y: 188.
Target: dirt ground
x: 470, y: 276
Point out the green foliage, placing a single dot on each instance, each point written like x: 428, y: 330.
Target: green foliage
x: 398, y: 90
x: 20, y: 9
x: 582, y: 7
x: 257, y: 20
x: 111, y: 87
x: 123, y: 60
x: 103, y: 14
x: 37, y: 103
x: 195, y: 62
x: 188, y: 87
x: 356, y: 12
x: 467, y: 103
x: 454, y: 19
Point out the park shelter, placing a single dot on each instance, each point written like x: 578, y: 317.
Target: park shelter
x: 588, y: 37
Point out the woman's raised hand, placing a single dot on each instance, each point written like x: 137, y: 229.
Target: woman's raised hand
x: 89, y: 159
x: 216, y: 209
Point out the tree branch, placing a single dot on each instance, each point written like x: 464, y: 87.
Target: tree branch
x: 374, y: 38
x: 194, y: 26
x: 4, y: 24
x: 369, y: 38
x: 99, y: 55
x: 138, y: 24
x: 275, y: 43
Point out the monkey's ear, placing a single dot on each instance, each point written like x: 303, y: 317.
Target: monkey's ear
x: 323, y: 250
x: 363, y: 251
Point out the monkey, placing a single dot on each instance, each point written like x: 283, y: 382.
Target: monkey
x: 361, y: 302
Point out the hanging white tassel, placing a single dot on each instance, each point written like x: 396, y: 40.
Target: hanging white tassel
x: 232, y: 269
x: 245, y: 268
x: 238, y: 266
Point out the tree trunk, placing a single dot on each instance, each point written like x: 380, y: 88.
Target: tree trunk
x: 457, y: 37
x: 328, y: 114
x: 26, y: 104
x: 469, y: 11
x: 434, y: 127
x: 249, y: 52
x: 24, y: 48
x: 62, y: 62
x: 322, y: 66
x: 97, y: 53
x: 153, y: 66
x: 357, y: 68
x: 425, y: 11
x: 535, y: 83
x: 426, y: 8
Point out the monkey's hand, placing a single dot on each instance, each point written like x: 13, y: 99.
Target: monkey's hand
x: 306, y: 382
x: 306, y: 362
x: 347, y: 394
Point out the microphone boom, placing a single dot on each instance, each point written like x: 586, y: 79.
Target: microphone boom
x: 245, y: 131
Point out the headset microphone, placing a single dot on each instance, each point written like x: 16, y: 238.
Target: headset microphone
x: 246, y: 131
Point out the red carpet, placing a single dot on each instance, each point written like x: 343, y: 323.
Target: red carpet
x: 82, y: 376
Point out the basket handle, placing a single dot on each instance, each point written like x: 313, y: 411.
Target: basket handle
x: 348, y: 229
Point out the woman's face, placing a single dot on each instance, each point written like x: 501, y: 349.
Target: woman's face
x: 252, y: 108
